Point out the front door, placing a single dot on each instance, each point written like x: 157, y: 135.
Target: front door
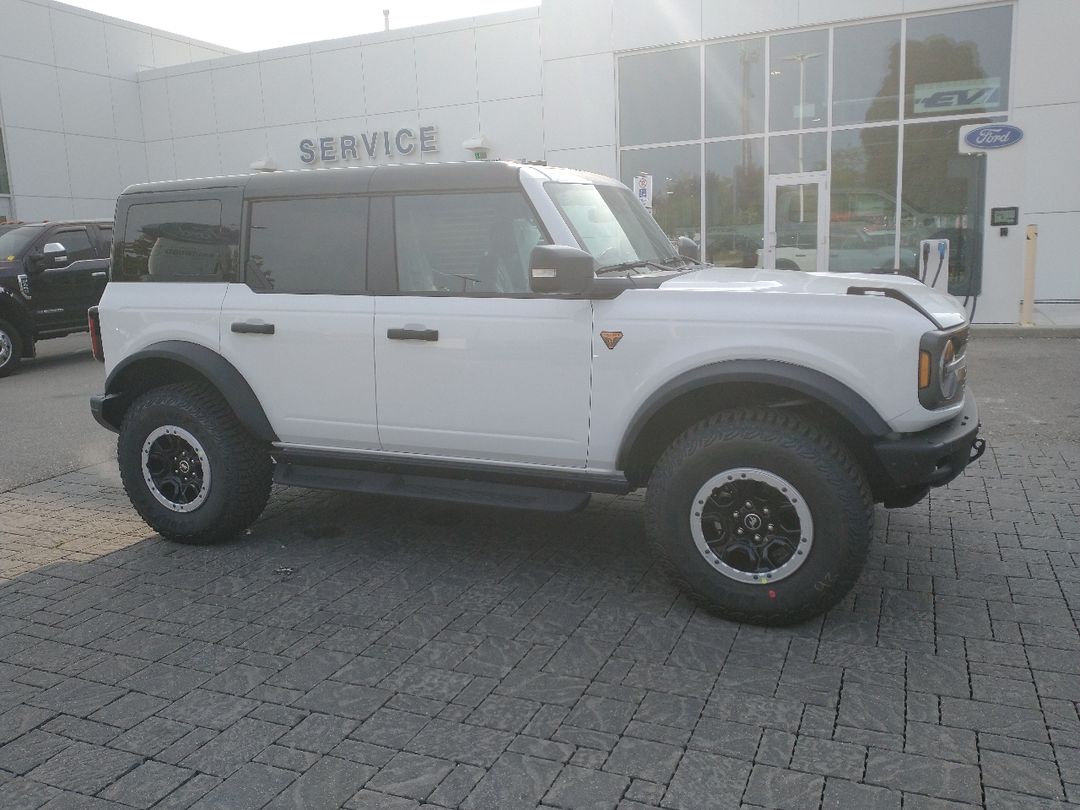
x: 797, y: 232
x: 64, y: 284
x: 470, y: 364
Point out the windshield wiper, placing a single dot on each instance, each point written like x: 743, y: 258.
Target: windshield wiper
x: 615, y: 268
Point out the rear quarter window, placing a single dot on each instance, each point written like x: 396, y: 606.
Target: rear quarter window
x: 177, y: 241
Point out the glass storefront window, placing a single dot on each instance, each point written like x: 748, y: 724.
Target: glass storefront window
x: 866, y: 73
x: 676, y: 172
x: 734, y: 201
x: 735, y: 88
x: 660, y: 97
x: 797, y: 153
x: 5, y: 186
x: 862, y: 210
x: 943, y: 195
x: 958, y: 63
x: 798, y: 80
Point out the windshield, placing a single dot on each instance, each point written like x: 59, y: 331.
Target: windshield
x: 13, y: 242
x: 611, y: 224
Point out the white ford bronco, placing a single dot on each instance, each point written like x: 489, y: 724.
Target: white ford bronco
x: 522, y: 336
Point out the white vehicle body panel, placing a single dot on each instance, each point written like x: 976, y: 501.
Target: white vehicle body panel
x: 315, y: 376
x: 507, y: 379
x: 140, y: 314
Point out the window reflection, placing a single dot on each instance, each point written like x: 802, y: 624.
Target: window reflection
x: 862, y: 226
x: 797, y: 153
x: 735, y: 88
x: 676, y: 172
x: 958, y: 63
x: 866, y: 73
x: 943, y: 199
x: 660, y: 96
x: 798, y: 80
x: 735, y: 201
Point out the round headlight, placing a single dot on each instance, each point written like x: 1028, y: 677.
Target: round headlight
x: 949, y: 374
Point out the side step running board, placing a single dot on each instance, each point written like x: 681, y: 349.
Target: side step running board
x: 484, y: 493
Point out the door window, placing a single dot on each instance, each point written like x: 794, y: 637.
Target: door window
x: 177, y: 241
x: 76, y: 244
x: 465, y: 243
x: 308, y: 245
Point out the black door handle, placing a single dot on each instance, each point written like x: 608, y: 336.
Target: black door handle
x: 253, y: 328
x: 412, y: 334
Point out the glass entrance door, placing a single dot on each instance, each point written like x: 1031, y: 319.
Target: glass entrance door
x: 796, y: 233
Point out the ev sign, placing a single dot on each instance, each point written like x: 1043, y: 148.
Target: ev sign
x: 643, y: 189
x: 945, y: 98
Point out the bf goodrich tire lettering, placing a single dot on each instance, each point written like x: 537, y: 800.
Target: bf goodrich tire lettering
x: 776, y: 449
x: 191, y: 471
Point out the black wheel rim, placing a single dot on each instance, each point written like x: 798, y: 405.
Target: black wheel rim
x: 751, y: 525
x: 175, y: 468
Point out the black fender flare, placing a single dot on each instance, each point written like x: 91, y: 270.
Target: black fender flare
x: 12, y: 309
x: 218, y: 371
x: 814, y: 384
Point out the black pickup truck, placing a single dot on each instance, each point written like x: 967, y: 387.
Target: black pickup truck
x: 50, y: 274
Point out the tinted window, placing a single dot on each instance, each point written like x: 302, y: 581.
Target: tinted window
x: 76, y: 244
x: 660, y: 96
x: 465, y: 243
x: 866, y: 73
x: 735, y: 88
x: 958, y: 63
x: 676, y: 173
x: 798, y: 80
x: 310, y: 245
x: 13, y: 241
x: 105, y: 239
x: 177, y: 241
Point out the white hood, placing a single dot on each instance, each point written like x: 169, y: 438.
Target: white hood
x: 943, y: 309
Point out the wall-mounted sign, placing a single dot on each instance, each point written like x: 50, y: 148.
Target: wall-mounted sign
x: 370, y: 145
x: 944, y: 98
x: 643, y: 189
x: 993, y: 136
x: 1000, y: 217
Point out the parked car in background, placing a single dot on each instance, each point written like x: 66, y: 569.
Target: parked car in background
x: 50, y: 274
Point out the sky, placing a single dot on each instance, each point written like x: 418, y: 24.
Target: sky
x: 251, y: 25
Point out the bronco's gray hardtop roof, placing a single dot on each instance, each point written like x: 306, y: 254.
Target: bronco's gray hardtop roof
x: 388, y: 178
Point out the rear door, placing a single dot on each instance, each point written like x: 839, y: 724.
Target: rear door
x: 299, y: 326
x: 469, y: 363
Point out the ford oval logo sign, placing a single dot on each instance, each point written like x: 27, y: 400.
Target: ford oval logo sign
x: 993, y: 136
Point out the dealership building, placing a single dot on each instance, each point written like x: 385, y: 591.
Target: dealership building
x: 819, y: 134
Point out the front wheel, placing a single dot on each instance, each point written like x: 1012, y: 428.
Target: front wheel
x: 190, y: 469
x: 760, y: 516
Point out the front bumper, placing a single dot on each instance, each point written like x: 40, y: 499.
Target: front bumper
x: 917, y: 461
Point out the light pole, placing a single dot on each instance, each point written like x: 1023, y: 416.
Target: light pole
x: 802, y: 59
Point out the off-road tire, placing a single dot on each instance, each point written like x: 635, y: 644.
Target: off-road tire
x: 820, y: 468
x: 240, y: 467
x: 9, y: 363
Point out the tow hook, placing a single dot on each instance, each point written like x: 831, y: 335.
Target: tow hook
x: 978, y: 447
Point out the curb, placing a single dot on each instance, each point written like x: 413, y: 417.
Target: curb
x: 1013, y: 330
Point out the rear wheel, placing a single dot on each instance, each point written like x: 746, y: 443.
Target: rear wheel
x: 11, y: 348
x: 190, y: 469
x: 760, y: 516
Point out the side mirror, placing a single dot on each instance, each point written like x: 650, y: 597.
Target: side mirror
x: 689, y: 248
x: 560, y: 269
x: 54, y: 254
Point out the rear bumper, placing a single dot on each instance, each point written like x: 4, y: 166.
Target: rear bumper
x: 915, y: 462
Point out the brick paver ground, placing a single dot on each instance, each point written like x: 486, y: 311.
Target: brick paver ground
x: 372, y: 653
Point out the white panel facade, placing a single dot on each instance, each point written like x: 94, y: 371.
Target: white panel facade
x: 722, y: 20
x: 126, y: 110
x: 94, y: 167
x: 643, y: 23
x: 238, y: 97
x: 287, y: 91
x: 154, y: 99
x: 508, y: 60
x: 446, y: 69
x: 79, y: 42
x: 191, y: 104
x: 338, y: 77
x: 37, y: 163
x: 389, y: 77
x: 197, y: 156
x: 516, y: 127
x: 576, y: 27
x: 86, y: 103
x: 27, y: 31
x: 579, y: 102
x: 30, y: 95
